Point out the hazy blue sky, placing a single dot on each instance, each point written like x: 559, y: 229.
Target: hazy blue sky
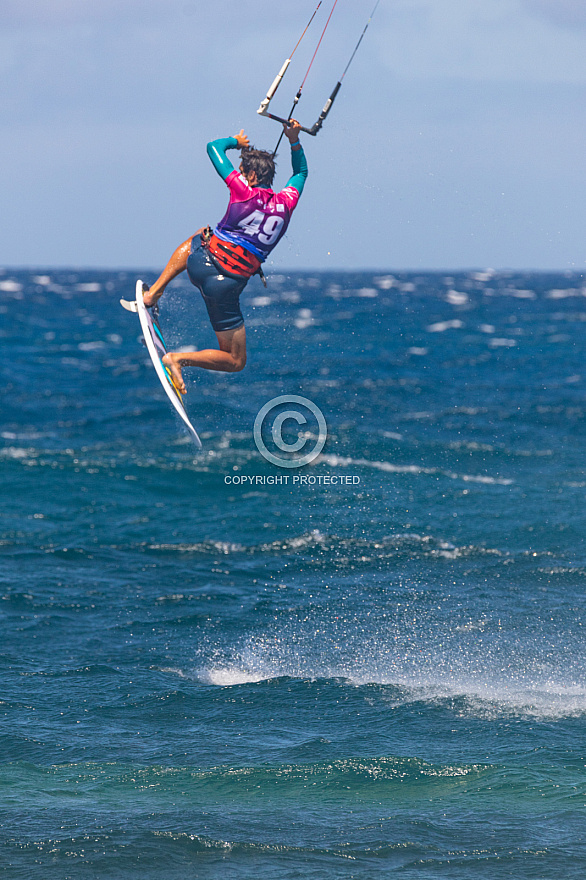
x: 456, y: 141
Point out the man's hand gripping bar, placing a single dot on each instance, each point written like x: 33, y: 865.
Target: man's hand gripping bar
x: 263, y: 110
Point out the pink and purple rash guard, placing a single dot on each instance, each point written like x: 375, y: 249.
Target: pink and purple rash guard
x: 257, y: 218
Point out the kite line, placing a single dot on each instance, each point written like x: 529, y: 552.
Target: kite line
x: 263, y: 110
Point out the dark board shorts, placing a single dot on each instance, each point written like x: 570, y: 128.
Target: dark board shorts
x: 221, y: 293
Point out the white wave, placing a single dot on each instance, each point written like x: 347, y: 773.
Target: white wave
x: 409, y: 416
x: 91, y: 346
x: 25, y: 435
x: 304, y: 319
x: 457, y: 297
x: 488, y: 693
x: 442, y: 326
x: 220, y: 676
x: 10, y: 286
x: 491, y: 697
x: 90, y: 287
x: 389, y: 467
x: 487, y: 275
x: 385, y: 282
x: 563, y: 294
x: 223, y: 547
x: 17, y: 452
x: 232, y: 676
x: 502, y: 343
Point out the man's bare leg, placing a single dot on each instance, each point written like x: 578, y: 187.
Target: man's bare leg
x: 231, y: 358
x: 174, y: 267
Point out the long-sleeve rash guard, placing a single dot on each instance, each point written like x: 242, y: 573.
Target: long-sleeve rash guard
x: 257, y: 218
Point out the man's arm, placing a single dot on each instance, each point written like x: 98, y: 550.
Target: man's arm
x: 217, y: 152
x: 298, y: 160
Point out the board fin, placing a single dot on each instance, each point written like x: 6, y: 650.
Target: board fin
x: 129, y: 305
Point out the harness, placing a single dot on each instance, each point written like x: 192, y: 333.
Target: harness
x: 233, y: 259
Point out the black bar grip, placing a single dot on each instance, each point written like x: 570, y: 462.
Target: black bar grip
x: 286, y: 122
x: 326, y: 110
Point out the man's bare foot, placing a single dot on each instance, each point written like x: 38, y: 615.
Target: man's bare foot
x: 172, y: 362
x: 147, y: 296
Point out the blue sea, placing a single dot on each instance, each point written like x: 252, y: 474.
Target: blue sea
x: 207, y: 673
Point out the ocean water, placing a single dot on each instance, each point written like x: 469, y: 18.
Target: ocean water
x: 205, y: 677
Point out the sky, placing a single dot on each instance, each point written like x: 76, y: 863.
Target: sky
x: 456, y: 142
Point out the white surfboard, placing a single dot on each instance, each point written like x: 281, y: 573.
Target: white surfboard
x: 157, y: 349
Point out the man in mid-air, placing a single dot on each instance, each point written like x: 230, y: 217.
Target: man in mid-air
x: 220, y: 263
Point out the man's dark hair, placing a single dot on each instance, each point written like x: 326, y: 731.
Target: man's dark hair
x: 260, y: 161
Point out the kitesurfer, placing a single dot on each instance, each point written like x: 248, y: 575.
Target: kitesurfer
x: 220, y: 263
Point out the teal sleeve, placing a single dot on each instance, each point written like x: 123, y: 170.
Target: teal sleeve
x: 300, y: 170
x: 217, y: 153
